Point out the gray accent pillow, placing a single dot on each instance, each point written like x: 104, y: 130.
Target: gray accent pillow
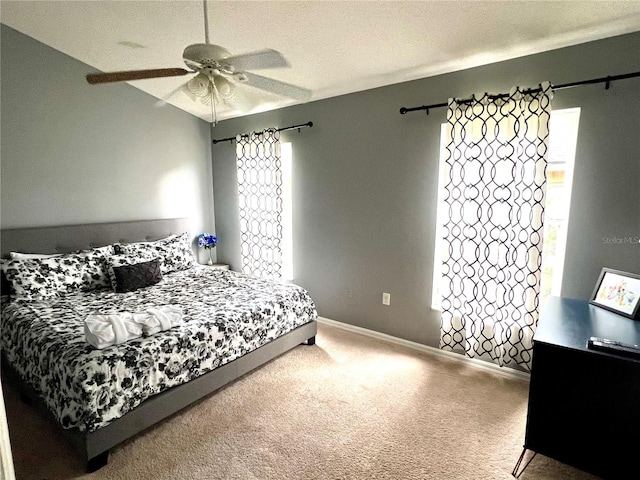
x: 115, y: 261
x: 139, y: 275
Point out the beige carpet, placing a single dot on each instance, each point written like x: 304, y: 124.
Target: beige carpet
x: 349, y: 407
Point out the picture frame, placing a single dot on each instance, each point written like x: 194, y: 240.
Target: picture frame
x: 617, y: 292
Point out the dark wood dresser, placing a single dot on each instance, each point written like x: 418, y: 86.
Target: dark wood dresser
x: 584, y: 404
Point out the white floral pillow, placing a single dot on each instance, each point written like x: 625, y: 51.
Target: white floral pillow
x: 42, y: 278
x: 33, y: 278
x: 96, y: 274
x: 29, y: 256
x: 174, y: 252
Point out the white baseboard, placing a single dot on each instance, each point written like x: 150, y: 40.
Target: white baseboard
x: 472, y: 362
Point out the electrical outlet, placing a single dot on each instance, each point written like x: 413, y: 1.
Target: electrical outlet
x: 386, y: 298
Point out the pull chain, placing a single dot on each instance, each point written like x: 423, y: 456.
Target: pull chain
x: 213, y: 90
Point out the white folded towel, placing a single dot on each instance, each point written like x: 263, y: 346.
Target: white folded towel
x: 156, y: 319
x: 102, y: 331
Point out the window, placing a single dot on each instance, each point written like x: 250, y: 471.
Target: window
x: 563, y: 134
x: 562, y: 151
x: 287, y: 211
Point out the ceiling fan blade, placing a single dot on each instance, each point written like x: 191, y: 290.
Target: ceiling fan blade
x: 277, y: 87
x: 258, y: 60
x: 94, y: 78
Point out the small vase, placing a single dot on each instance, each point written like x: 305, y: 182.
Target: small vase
x: 210, y: 262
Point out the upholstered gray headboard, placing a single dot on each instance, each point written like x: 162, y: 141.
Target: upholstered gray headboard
x: 69, y: 238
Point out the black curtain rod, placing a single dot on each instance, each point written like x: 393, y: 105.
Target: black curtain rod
x: 605, y: 80
x: 283, y: 129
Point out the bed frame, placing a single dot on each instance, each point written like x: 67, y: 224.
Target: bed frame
x: 94, y: 446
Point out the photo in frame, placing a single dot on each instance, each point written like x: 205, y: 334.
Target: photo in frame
x: 618, y: 292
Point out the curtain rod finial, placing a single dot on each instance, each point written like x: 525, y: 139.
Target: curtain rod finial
x: 403, y: 110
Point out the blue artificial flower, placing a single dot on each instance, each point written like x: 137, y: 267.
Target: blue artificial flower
x: 207, y: 241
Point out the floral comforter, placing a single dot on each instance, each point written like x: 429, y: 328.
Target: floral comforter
x: 226, y: 315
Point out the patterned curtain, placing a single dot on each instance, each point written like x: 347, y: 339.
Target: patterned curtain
x: 495, y: 179
x: 260, y: 201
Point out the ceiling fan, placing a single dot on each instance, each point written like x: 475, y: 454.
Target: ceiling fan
x: 217, y: 75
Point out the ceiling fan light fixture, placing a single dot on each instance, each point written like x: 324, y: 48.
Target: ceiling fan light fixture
x: 206, y: 100
x: 199, y: 85
x: 225, y: 88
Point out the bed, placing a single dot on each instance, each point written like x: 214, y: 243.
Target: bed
x: 100, y: 397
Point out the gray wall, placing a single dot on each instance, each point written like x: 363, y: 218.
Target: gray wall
x: 76, y: 153
x: 365, y: 184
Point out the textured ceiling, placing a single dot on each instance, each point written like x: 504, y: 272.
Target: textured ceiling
x: 334, y: 47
